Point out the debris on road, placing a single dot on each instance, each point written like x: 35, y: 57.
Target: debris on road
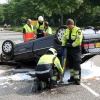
x: 21, y: 77
x: 89, y: 71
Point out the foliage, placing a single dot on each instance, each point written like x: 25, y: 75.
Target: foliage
x: 1, y: 14
x: 16, y: 12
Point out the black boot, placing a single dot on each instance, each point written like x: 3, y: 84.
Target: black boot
x: 77, y: 81
x: 53, y: 84
x: 34, y: 86
x: 71, y: 79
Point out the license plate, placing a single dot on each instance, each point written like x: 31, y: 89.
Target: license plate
x: 97, y: 45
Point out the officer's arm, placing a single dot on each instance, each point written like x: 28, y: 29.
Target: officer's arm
x: 78, y: 40
x: 49, y: 31
x: 58, y: 65
x: 34, y: 30
x: 64, y: 40
x: 37, y: 25
x: 24, y: 31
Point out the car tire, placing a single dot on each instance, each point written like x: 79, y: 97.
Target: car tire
x: 60, y: 33
x: 8, y: 47
x: 6, y: 57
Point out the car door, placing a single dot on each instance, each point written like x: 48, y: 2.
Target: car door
x: 23, y: 51
x: 41, y: 45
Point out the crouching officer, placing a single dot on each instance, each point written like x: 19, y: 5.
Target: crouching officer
x: 72, y: 42
x: 48, y: 70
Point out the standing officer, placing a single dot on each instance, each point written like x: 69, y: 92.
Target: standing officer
x: 48, y: 29
x: 28, y: 31
x: 40, y: 27
x: 48, y: 70
x: 72, y: 42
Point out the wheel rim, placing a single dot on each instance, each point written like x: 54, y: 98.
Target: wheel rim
x: 60, y: 34
x: 7, y: 47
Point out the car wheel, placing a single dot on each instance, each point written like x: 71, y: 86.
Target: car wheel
x: 60, y: 33
x: 6, y: 57
x: 8, y: 47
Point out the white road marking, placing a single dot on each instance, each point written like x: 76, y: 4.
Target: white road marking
x: 90, y: 90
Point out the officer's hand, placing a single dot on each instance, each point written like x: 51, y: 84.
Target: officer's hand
x: 34, y: 27
x: 63, y: 70
x: 68, y: 45
x: 38, y: 30
x: 63, y: 47
x: 62, y: 53
x: 44, y: 32
x: 59, y: 78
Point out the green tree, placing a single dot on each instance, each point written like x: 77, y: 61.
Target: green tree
x: 17, y: 11
x: 87, y: 14
x: 62, y: 7
x: 20, y: 10
x: 1, y: 14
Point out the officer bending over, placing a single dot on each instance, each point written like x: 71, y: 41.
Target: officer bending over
x: 48, y: 70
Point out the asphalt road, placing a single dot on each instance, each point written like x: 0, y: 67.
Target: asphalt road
x: 16, y: 37
x: 21, y: 90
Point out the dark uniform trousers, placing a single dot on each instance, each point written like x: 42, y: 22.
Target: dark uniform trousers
x: 40, y: 33
x: 74, y: 59
x: 47, y: 77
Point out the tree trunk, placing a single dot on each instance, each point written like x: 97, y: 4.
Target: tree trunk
x: 61, y: 18
x: 75, y: 21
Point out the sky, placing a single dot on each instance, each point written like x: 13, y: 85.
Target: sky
x: 3, y: 1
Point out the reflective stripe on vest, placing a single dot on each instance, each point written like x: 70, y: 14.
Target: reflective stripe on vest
x: 42, y: 72
x: 42, y: 63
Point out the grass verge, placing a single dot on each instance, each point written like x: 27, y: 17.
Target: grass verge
x: 19, y: 29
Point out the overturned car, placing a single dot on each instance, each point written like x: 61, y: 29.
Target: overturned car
x: 32, y: 50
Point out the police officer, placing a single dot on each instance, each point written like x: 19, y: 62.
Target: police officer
x: 28, y: 30
x: 48, y: 70
x: 28, y: 27
x: 40, y: 27
x: 72, y: 42
x: 48, y: 29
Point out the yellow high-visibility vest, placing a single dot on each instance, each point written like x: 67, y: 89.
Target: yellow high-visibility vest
x: 28, y: 29
x: 48, y: 58
x: 40, y: 26
x: 76, y: 36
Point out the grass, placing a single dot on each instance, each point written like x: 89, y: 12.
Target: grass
x: 20, y: 29
x: 54, y: 29
x: 17, y: 29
